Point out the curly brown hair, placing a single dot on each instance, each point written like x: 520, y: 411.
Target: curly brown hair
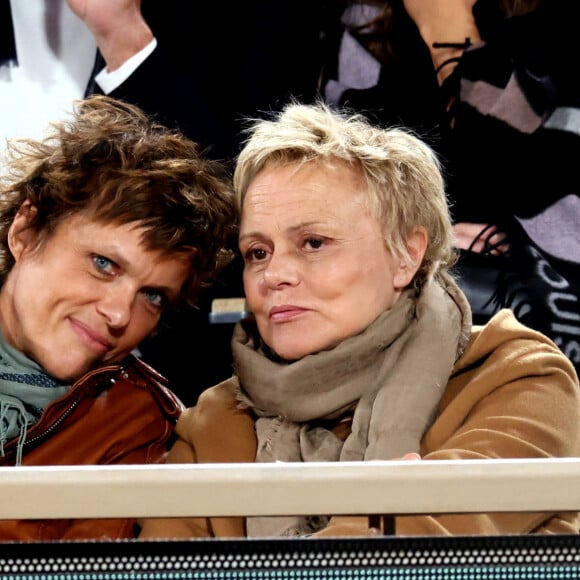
x: 116, y: 164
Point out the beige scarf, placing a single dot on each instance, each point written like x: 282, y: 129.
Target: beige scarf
x: 389, y: 378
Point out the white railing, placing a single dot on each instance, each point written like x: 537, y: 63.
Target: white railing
x: 381, y: 487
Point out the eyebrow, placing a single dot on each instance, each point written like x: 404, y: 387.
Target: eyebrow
x: 296, y: 228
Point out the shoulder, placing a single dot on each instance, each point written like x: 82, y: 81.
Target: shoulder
x: 512, y: 394
x: 148, y: 372
x: 504, y: 351
x: 217, y: 428
x: 504, y: 340
x: 212, y: 405
x: 155, y: 383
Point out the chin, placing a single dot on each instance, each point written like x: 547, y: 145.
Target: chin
x: 67, y: 373
x: 296, y: 347
x: 293, y: 354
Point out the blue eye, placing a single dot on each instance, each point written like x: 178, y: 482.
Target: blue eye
x: 156, y: 298
x: 102, y: 264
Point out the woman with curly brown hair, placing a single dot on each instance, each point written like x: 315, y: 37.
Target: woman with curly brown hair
x: 106, y: 225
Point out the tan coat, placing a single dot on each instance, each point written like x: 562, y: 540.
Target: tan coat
x: 512, y: 394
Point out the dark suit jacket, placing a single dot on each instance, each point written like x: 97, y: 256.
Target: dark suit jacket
x: 215, y: 65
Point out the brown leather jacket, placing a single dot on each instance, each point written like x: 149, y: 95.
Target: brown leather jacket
x: 119, y: 414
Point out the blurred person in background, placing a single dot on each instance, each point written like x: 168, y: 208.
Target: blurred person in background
x: 491, y: 85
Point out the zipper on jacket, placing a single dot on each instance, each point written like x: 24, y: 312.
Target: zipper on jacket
x: 40, y: 436
x: 54, y: 425
x: 73, y: 405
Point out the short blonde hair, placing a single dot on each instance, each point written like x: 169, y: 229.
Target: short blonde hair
x: 404, y: 182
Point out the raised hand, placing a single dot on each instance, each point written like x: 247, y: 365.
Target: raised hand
x: 117, y: 25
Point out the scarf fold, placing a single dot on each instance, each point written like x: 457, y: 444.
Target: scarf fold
x: 25, y: 391
x: 389, y: 379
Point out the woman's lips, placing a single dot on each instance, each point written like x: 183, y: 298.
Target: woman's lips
x: 90, y: 338
x: 285, y: 313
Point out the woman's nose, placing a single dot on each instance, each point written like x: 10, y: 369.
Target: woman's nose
x: 116, y: 305
x: 280, y: 271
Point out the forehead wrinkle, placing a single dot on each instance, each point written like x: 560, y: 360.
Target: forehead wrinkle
x: 267, y: 199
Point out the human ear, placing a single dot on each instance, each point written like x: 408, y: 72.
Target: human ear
x: 416, y: 247
x: 20, y: 236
